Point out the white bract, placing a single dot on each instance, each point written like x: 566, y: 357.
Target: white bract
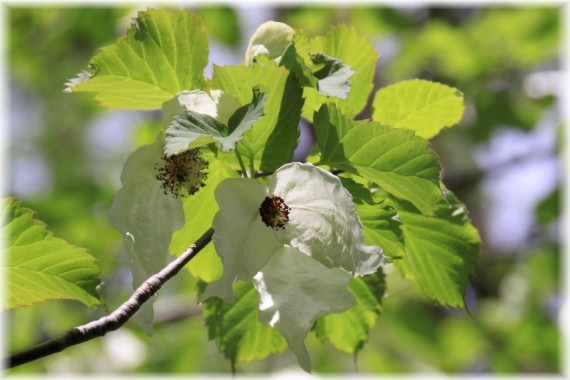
x: 217, y: 104
x: 146, y: 216
x: 271, y: 38
x: 301, y: 240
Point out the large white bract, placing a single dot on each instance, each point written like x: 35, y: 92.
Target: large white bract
x: 217, y: 104
x: 302, y: 263
x: 271, y: 38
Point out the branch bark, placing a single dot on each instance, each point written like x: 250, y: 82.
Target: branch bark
x: 117, y: 318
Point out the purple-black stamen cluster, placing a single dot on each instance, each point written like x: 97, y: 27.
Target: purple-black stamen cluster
x: 274, y: 212
x: 182, y: 171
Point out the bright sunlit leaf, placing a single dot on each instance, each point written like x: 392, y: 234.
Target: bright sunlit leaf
x: 163, y: 53
x: 191, y: 129
x: 381, y: 225
x: 330, y: 76
x: 199, y: 211
x: 442, y: 250
x: 333, y: 76
x: 236, y: 328
x: 272, y: 141
x: 348, y: 331
x: 394, y: 159
x: 40, y: 267
x: 356, y: 52
x: 420, y: 105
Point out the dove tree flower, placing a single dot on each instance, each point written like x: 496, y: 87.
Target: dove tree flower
x: 300, y: 239
x: 297, y: 237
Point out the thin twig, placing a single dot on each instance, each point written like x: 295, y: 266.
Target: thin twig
x: 117, y: 318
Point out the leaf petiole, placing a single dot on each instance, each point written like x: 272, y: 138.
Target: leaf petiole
x: 241, y: 164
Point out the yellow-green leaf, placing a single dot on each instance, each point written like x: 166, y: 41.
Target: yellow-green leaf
x: 394, y: 159
x: 163, y: 53
x: 236, y: 328
x: 271, y: 142
x: 420, y: 105
x: 346, y: 45
x: 442, y: 250
x: 38, y: 266
x: 348, y: 331
x: 199, y: 211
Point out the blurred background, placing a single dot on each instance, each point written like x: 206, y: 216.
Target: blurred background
x: 65, y: 155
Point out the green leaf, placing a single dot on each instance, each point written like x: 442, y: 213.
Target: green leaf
x: 272, y: 140
x: 330, y: 75
x: 163, y: 53
x: 442, y: 250
x: 193, y: 130
x: 236, y: 329
x: 199, y: 211
x: 394, y: 159
x: 381, y: 223
x: 38, y: 266
x: 294, y: 62
x: 146, y: 215
x: 382, y: 228
x: 348, y: 331
x: 420, y: 105
x: 344, y: 44
x: 244, y: 118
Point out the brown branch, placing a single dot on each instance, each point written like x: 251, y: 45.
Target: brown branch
x: 117, y: 318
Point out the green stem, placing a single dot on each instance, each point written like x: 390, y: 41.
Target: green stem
x: 243, y: 171
x: 252, y: 169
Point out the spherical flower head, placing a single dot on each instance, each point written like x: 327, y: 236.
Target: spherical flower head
x: 182, y: 173
x: 274, y: 212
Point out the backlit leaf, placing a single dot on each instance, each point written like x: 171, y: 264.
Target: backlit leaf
x: 272, y: 140
x: 163, y: 53
x: 348, y: 331
x: 420, y: 105
x: 442, y: 250
x: 394, y: 159
x: 193, y: 130
x: 40, y: 267
x: 199, y: 211
x: 344, y: 44
x: 236, y: 329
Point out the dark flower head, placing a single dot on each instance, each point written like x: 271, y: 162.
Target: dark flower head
x: 182, y: 173
x: 274, y: 212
